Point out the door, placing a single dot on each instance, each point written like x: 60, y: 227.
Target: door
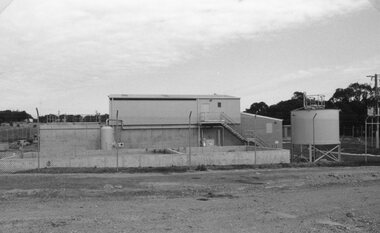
x: 205, y: 109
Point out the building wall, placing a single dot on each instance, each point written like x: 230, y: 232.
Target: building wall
x: 220, y: 136
x: 176, y: 137
x: 266, y: 128
x: 231, y: 107
x: 154, y: 112
x: 171, y: 112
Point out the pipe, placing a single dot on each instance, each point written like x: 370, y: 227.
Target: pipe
x: 116, y: 140
x: 314, y: 135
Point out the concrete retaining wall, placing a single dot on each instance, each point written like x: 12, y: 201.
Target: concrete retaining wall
x: 108, y: 159
x: 158, y: 138
x: 65, y: 139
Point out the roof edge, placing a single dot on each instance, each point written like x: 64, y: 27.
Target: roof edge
x: 164, y: 96
x: 261, y: 116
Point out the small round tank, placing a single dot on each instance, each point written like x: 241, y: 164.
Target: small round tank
x: 106, y: 138
x: 324, y: 132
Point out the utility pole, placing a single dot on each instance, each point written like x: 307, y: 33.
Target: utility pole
x: 375, y: 77
x: 117, y: 141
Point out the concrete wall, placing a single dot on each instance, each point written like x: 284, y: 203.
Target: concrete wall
x: 4, y: 146
x: 220, y: 135
x: 159, y: 137
x: 266, y: 128
x: 68, y: 138
x: 108, y: 159
x: 176, y: 137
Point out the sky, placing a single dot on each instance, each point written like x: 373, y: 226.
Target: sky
x: 67, y: 56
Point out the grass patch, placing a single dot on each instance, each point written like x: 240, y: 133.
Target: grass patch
x: 58, y: 170
x: 177, y: 169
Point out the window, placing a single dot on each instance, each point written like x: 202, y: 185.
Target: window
x: 219, y: 104
x: 269, y: 127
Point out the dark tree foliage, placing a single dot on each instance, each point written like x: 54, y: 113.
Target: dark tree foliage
x: 280, y: 110
x: 9, y: 116
x: 352, y: 102
x: 258, y: 108
x: 73, y: 118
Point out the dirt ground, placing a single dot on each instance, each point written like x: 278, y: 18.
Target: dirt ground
x: 344, y: 199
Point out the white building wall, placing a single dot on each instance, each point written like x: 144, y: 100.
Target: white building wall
x: 172, y: 111
x: 154, y: 112
x: 231, y: 107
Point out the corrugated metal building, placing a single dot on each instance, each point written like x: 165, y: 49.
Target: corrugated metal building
x: 162, y: 121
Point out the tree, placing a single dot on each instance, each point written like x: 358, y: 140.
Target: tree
x: 14, y: 116
x: 258, y: 108
x: 354, y: 92
x: 280, y: 110
x: 298, y: 95
x: 353, y: 102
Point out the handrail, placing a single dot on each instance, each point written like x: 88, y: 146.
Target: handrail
x: 227, y: 118
x: 228, y: 122
x: 253, y: 134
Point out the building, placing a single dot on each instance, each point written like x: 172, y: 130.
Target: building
x: 171, y: 121
x: 267, y: 131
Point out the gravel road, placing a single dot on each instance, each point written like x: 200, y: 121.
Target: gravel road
x: 344, y: 199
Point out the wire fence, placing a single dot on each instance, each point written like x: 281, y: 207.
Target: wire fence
x: 79, y: 145
x: 12, y: 134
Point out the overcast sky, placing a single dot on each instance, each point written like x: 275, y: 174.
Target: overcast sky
x: 69, y: 55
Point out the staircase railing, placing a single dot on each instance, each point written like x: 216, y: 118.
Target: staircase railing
x: 256, y: 139
x: 232, y: 126
x: 233, y: 131
x: 229, y: 121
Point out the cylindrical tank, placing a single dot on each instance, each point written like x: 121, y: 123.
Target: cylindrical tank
x: 106, y: 138
x: 318, y: 127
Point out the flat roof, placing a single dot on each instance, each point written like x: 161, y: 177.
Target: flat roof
x: 149, y: 97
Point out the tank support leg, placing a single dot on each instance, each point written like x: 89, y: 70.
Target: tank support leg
x: 310, y: 154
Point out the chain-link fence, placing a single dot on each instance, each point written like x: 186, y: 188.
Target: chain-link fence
x: 81, y: 145
x: 18, y: 144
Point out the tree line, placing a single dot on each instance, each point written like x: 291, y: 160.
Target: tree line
x: 73, y: 118
x: 10, y: 117
x: 352, y: 101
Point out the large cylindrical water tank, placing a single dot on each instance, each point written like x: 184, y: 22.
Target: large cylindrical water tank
x: 318, y: 127
x: 106, y: 138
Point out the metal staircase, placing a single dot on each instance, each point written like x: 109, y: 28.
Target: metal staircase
x: 257, y: 140
x: 233, y: 131
x: 228, y: 123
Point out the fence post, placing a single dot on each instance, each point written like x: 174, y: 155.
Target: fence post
x: 39, y: 139
x: 189, y: 160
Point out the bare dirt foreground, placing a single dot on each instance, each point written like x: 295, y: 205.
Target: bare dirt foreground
x: 282, y: 200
